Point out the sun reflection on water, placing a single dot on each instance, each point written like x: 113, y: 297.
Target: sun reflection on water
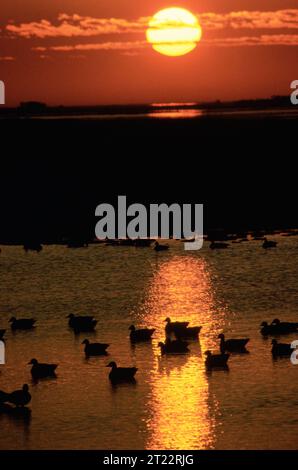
x: 182, y: 289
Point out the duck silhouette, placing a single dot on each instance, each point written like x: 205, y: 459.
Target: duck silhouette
x: 286, y: 325
x: 191, y: 332
x: 232, y: 345
x: 19, y: 398
x: 159, y: 247
x: 278, y: 328
x: 22, y: 323
x: 268, y: 243
x: 81, y: 323
x: 95, y: 349
x: 32, y: 246
x: 175, y: 327
x: 121, y: 374
x: 144, y: 334
x: 41, y: 371
x: 173, y: 347
x: 143, y: 242
x: 218, y: 245
x: 280, y: 349
x: 216, y: 360
x: 267, y: 329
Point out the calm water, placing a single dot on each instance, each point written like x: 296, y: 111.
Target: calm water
x: 175, y: 403
x: 175, y: 112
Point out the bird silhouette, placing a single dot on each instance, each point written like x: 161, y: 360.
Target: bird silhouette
x: 19, y: 398
x: 268, y: 243
x: 173, y: 347
x: 81, y: 323
x: 281, y: 349
x: 190, y: 332
x: 22, y: 323
x: 232, y: 345
x: 95, y: 349
x: 40, y: 371
x: 279, y: 328
x: 218, y: 245
x: 121, y: 374
x: 144, y: 334
x: 175, y: 327
x: 216, y: 360
x: 159, y: 247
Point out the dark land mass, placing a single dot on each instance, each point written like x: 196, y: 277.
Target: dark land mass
x: 35, y: 108
x: 54, y: 172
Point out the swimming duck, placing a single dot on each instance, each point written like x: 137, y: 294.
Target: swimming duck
x: 269, y: 243
x: 216, y: 360
x: 40, y: 371
x: 81, y: 323
x: 120, y: 374
x: 173, y: 347
x: 22, y: 323
x: 2, y: 333
x: 3, y: 396
x: 267, y: 329
x: 32, y: 246
x: 159, y: 247
x: 291, y: 326
x: 175, y: 327
x: 143, y: 242
x: 17, y: 398
x: 280, y: 349
x: 277, y: 329
x: 143, y: 334
x: 191, y: 332
x: 95, y: 349
x: 218, y: 245
x: 232, y: 345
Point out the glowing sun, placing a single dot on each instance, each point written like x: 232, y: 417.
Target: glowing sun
x: 174, y: 32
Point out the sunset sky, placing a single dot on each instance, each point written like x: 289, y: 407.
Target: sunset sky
x: 95, y: 51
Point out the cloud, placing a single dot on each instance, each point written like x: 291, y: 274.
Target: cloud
x: 7, y: 58
x: 130, y: 48
x: 263, y: 40
x: 280, y: 19
x: 102, y: 46
x: 75, y: 26
x: 87, y: 26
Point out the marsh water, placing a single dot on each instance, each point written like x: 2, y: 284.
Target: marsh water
x: 175, y: 403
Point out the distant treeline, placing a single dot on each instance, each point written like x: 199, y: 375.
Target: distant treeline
x: 35, y: 108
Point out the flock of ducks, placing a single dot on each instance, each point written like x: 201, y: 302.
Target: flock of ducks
x: 177, y: 339
x: 147, y: 242
x: 214, y: 245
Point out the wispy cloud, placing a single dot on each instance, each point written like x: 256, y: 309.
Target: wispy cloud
x: 76, y: 25
x: 279, y: 19
x: 7, y: 58
x: 86, y: 26
x: 281, y: 25
x: 132, y: 47
x: 102, y: 46
x: 262, y: 40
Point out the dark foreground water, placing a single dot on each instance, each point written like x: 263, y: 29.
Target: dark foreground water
x: 175, y: 404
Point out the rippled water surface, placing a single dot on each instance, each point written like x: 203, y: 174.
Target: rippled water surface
x: 175, y: 404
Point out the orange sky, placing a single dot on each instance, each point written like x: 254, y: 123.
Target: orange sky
x: 93, y: 51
